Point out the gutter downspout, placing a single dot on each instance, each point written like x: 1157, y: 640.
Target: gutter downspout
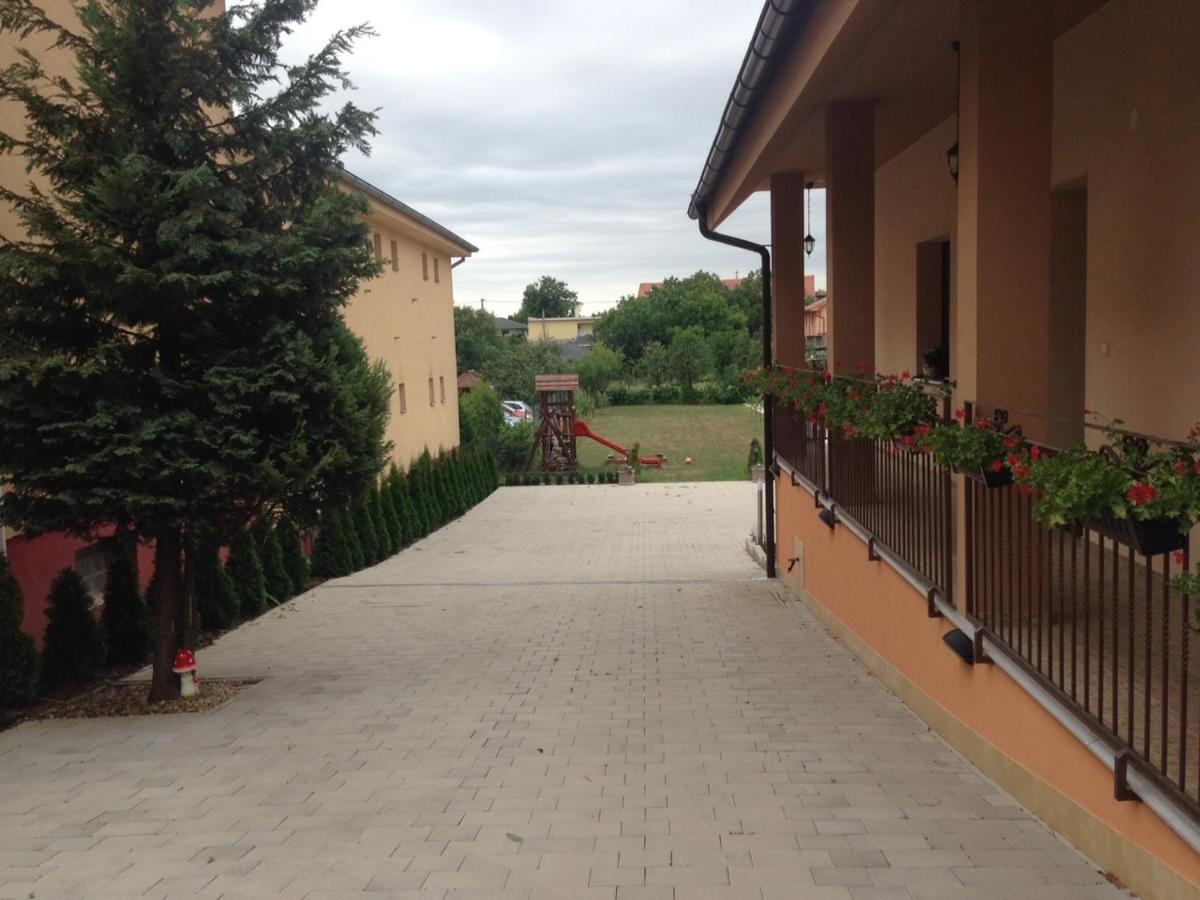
x: 768, y: 407
x: 455, y: 265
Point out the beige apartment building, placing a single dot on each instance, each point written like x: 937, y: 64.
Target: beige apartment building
x: 562, y: 328
x: 405, y: 317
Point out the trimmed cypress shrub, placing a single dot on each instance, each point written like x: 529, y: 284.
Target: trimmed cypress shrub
x: 245, y: 568
x: 295, y: 563
x: 217, y: 603
x: 384, y: 526
x: 431, y: 494
x: 366, y: 531
x: 124, y: 617
x: 353, y: 541
x: 74, y: 640
x: 279, y: 583
x: 406, y: 513
x: 332, y: 557
x: 19, y: 662
x: 383, y: 537
x: 391, y: 519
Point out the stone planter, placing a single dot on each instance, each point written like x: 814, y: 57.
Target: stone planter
x: 626, y: 476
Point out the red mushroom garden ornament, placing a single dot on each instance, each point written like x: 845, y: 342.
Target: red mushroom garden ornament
x: 185, y: 668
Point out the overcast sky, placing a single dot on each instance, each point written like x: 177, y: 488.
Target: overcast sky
x: 561, y: 137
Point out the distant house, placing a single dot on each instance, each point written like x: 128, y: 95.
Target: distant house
x: 508, y: 326
x: 468, y: 381
x: 565, y: 328
x: 646, y: 287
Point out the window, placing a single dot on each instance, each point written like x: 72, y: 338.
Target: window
x: 378, y: 246
x: 432, y: 401
x: 425, y: 266
x: 91, y: 564
x: 442, y: 386
x: 395, y: 258
x: 437, y: 275
x: 402, y: 398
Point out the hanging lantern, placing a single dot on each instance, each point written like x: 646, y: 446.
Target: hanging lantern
x: 809, y: 241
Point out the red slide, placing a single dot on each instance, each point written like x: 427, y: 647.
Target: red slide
x: 581, y: 430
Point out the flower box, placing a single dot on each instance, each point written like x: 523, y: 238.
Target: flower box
x: 1149, y: 537
x: 989, y: 478
x: 626, y: 476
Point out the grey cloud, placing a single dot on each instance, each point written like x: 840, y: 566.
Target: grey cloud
x: 562, y: 138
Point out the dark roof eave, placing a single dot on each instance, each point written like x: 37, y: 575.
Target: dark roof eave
x: 404, y: 209
x: 779, y: 22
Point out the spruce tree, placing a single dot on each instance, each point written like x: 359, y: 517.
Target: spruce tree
x: 74, y: 647
x: 19, y: 662
x: 245, y: 568
x: 358, y: 558
x: 217, y: 604
x: 391, y: 522
x: 294, y: 561
x: 170, y: 334
x: 125, y: 617
x: 331, y: 553
x: 279, y: 585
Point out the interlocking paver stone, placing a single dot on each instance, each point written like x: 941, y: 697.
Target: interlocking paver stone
x: 570, y: 692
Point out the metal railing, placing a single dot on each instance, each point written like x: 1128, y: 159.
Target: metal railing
x: 1097, y: 623
x: 904, y: 499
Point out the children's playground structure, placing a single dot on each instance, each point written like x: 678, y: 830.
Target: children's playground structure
x: 559, y: 427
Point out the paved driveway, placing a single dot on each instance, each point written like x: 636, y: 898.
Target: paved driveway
x: 574, y: 692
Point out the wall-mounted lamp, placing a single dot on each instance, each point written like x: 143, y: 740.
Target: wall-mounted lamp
x: 809, y: 240
x: 952, y: 153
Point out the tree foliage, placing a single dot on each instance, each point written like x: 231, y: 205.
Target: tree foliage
x: 598, y: 368
x: 170, y: 344
x: 547, y: 298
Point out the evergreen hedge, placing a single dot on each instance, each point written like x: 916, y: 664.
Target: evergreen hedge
x: 74, y: 646
x: 279, y: 583
x: 19, y: 663
x: 245, y: 568
x: 294, y: 561
x: 391, y: 519
x: 383, y: 535
x: 331, y: 553
x: 366, y: 532
x: 353, y: 541
x: 125, y: 618
x: 217, y: 603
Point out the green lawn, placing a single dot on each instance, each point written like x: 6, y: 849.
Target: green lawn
x: 717, y: 438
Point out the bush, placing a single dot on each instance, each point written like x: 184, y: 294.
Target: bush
x: 406, y: 510
x: 124, y: 617
x: 217, y: 603
x: 74, y: 641
x: 480, y: 417
x: 365, y: 529
x: 383, y: 535
x: 514, y: 444
x: 246, y: 570
x: 332, y: 557
x: 19, y: 663
x: 666, y: 393
x: 559, y: 479
x: 353, y: 541
x: 270, y: 553
x: 391, y: 519
x: 294, y: 561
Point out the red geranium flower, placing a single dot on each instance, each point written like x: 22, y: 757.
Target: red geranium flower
x: 1035, y: 453
x: 826, y: 377
x: 997, y: 465
x: 1141, y: 493
x: 1179, y: 558
x: 960, y: 414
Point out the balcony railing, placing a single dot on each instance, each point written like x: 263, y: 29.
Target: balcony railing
x: 1094, y: 622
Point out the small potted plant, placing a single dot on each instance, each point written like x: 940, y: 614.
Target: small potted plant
x: 936, y: 363
x: 633, y: 464
x: 976, y: 450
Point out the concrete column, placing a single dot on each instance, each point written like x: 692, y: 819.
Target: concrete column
x: 850, y: 231
x: 1003, y: 280
x: 787, y: 263
x: 1001, y: 344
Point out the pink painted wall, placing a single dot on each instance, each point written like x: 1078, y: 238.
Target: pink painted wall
x: 36, y: 561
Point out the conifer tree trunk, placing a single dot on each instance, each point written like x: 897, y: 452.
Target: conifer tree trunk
x: 167, y: 552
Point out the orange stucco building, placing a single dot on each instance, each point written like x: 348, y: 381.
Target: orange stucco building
x: 1013, y: 183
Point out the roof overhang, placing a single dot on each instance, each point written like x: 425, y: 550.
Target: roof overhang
x: 407, y: 220
x: 900, y: 55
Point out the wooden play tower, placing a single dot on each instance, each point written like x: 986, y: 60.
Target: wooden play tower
x: 555, y: 435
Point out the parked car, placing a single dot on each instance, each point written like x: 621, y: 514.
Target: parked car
x: 518, y: 409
